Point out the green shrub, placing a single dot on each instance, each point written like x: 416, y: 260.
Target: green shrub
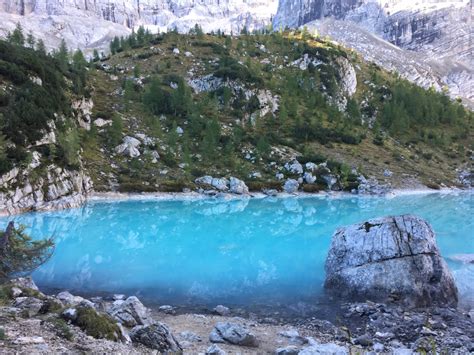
x: 61, y: 328
x: 97, y: 325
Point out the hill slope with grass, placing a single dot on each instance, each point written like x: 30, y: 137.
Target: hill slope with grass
x: 165, y: 109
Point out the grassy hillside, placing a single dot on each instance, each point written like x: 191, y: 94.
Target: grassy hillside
x: 244, y: 106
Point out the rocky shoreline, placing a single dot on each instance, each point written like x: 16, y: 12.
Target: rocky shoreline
x: 33, y: 322
x: 77, y: 200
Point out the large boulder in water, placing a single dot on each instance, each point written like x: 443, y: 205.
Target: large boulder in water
x: 389, y: 258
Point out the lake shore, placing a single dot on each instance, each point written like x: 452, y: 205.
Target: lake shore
x: 77, y: 201
x: 30, y: 323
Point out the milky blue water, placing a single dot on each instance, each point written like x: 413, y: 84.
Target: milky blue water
x: 231, y: 252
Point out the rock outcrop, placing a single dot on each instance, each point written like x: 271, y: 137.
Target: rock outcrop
x: 58, y: 188
x: 389, y: 258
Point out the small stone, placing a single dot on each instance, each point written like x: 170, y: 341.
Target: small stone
x: 233, y: 334
x: 291, y: 333
x: 16, y: 292
x: 215, y: 350
x: 287, y: 350
x: 29, y: 340
x: 363, y: 340
x: 222, y: 310
x: 167, y: 309
x: 378, y: 347
x: 190, y: 336
x: 69, y: 314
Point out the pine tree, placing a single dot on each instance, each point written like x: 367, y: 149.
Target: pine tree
x: 62, y: 55
x: 114, y: 133
x: 115, y: 45
x: 141, y: 35
x: 20, y: 254
x: 30, y: 39
x: 95, y: 56
x: 79, y: 65
x: 17, y: 37
x: 40, y: 47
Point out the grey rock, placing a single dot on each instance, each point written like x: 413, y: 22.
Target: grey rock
x: 270, y: 192
x: 130, y: 312
x: 363, y: 340
x: 287, y: 350
x: 237, y: 186
x: 324, y: 349
x: 291, y: 186
x: 29, y: 306
x: 118, y: 297
x: 16, y: 292
x: 389, y: 257
x: 204, y: 180
x: 156, y: 336
x: 29, y: 340
x: 222, y: 310
x: 215, y: 350
x: 167, y: 309
x: 190, y: 337
x: 123, y: 335
x: 24, y: 283
x: 129, y: 147
x: 309, y: 178
x: 291, y: 333
x: 294, y: 167
x: 69, y: 299
x: 387, y: 173
x: 69, y: 314
x: 220, y: 184
x: 233, y: 334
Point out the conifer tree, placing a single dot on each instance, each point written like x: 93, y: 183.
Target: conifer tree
x: 62, y: 55
x: 17, y: 37
x: 30, y: 39
x: 40, y: 47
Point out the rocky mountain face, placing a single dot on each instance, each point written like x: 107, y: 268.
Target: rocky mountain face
x: 92, y: 23
x: 438, y: 31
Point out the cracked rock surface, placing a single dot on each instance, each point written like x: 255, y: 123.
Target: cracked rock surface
x: 389, y: 257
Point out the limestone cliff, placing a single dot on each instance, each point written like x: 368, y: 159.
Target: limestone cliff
x: 92, y: 23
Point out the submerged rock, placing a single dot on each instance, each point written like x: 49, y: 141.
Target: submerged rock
x: 156, y: 336
x: 232, y: 333
x: 389, y: 258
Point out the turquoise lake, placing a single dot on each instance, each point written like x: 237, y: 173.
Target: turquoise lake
x: 238, y: 252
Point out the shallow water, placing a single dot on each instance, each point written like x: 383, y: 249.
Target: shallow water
x: 239, y: 252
